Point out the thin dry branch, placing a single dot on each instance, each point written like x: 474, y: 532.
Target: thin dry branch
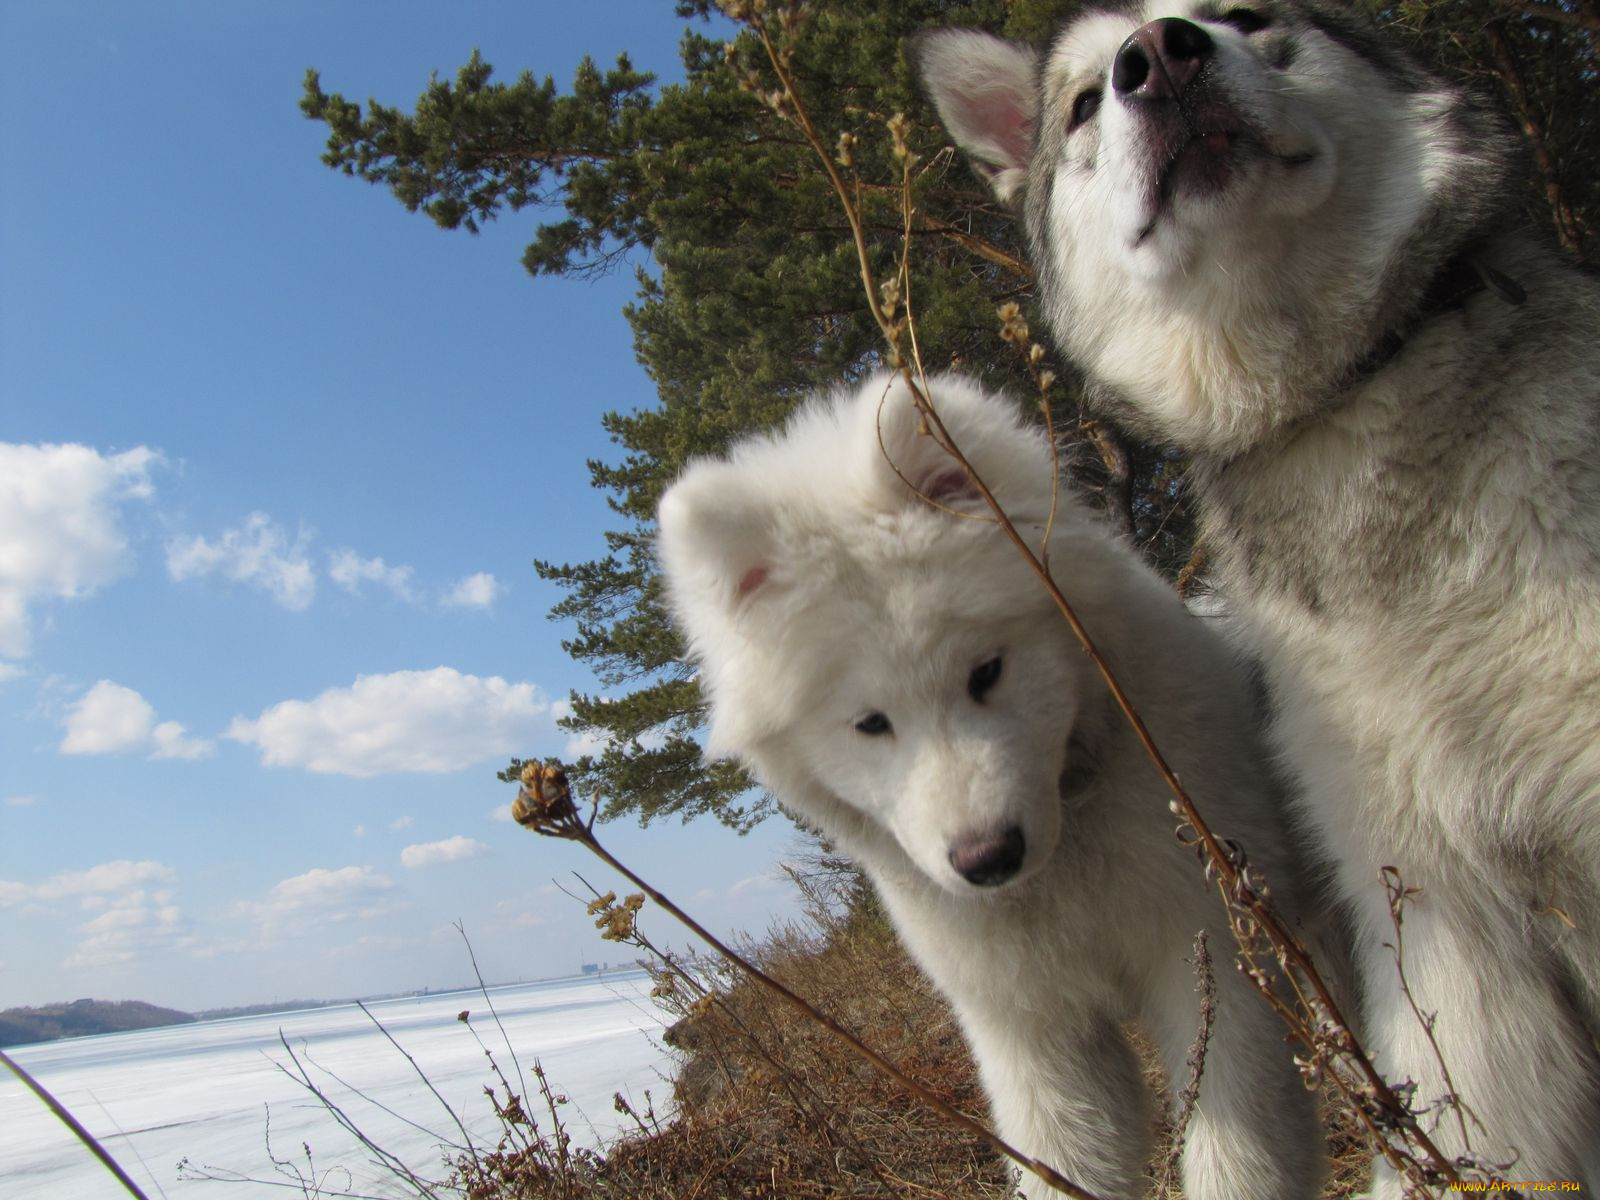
x: 544, y: 804
x: 61, y: 1114
x: 1318, y: 1021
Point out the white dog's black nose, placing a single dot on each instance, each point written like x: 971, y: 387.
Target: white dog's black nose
x: 1160, y: 59
x: 991, y: 859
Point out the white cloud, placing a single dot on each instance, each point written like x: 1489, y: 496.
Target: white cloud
x: 325, y: 897
x: 13, y: 893
x: 108, y: 719
x: 400, y: 823
x: 258, y: 553
x: 10, y: 671
x: 431, y: 854
x: 527, y: 911
x: 754, y: 885
x: 475, y: 591
x: 359, y: 831
x: 20, y: 801
x: 409, y: 721
x: 349, y: 570
x: 169, y: 740
x: 112, y: 719
x: 59, y: 529
x: 94, y: 888
x: 105, y: 879
x: 137, y: 923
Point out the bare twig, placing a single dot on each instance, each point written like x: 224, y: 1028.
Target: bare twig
x: 1317, y: 1021
x: 1206, y: 985
x: 71, y: 1122
x: 1399, y: 896
x: 544, y: 805
x: 384, y: 1157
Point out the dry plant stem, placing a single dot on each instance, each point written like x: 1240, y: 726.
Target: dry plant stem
x: 71, y: 1122
x: 1245, y: 901
x: 802, y: 119
x: 545, y: 806
x: 385, y: 1158
x: 1380, y: 1108
x: 483, y: 990
x: 793, y: 1083
x: 1206, y: 985
x: 378, y: 1104
x: 422, y: 1075
x: 1399, y: 893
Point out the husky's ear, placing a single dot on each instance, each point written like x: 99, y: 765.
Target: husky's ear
x: 984, y: 88
x: 714, y: 540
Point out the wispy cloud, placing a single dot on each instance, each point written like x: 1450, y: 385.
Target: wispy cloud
x: 258, y: 553
x: 90, y: 885
x: 475, y: 591
x: 132, y: 925
x: 112, y: 719
x: 60, y: 528
x: 409, y: 721
x: 322, y: 896
x: 349, y: 570
x: 431, y: 854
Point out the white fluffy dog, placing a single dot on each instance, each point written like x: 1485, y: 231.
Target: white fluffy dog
x: 895, y: 673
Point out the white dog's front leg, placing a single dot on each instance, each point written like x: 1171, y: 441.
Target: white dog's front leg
x: 1253, y: 1133
x: 1066, y: 1089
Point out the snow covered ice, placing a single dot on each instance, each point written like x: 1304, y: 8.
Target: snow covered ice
x: 204, y: 1092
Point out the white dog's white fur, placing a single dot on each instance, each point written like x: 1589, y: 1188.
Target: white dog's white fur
x: 1299, y: 269
x: 897, y: 675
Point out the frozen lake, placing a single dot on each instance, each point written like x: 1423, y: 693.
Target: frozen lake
x: 205, y: 1092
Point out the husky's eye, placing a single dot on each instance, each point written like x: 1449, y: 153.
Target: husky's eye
x: 983, y: 678
x: 1245, y: 20
x: 1084, y: 107
x: 874, y: 725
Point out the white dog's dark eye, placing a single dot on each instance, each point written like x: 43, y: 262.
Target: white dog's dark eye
x: 874, y: 725
x: 983, y: 678
x: 1084, y: 107
x: 1245, y: 20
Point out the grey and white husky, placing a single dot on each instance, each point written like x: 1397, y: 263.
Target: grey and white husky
x: 1272, y: 240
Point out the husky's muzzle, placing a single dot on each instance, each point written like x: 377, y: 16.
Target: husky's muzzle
x: 1160, y: 60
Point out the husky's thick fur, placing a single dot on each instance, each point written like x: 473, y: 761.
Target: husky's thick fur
x: 1273, y: 241
x: 896, y: 674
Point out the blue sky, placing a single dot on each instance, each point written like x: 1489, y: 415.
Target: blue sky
x: 275, y: 457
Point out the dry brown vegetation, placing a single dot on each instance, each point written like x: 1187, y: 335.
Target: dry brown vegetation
x: 770, y: 1104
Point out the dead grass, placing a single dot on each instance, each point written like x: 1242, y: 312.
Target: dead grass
x: 770, y: 1105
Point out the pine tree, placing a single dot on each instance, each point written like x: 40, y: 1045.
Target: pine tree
x: 749, y: 294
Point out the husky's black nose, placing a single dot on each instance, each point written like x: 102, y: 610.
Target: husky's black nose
x: 991, y: 859
x: 1160, y: 59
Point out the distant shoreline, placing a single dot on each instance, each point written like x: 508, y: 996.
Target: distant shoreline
x: 35, y: 1025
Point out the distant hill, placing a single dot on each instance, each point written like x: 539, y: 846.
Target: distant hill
x: 24, y: 1026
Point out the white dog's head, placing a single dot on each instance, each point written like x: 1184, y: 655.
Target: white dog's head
x: 892, y: 670
x: 1229, y: 205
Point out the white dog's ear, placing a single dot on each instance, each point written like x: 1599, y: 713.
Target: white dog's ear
x: 903, y: 445
x: 985, y: 90
x: 715, y: 537
x: 1010, y: 455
